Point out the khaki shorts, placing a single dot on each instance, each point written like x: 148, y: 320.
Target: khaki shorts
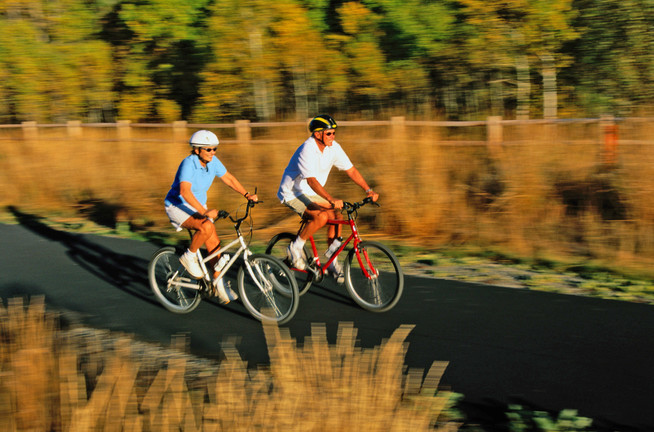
x: 299, y: 204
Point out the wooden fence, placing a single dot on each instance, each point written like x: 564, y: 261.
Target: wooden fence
x: 488, y: 132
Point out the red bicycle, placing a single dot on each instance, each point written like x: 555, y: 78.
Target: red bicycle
x: 373, y: 275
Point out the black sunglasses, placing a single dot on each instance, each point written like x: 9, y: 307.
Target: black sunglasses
x: 330, y: 133
x: 212, y: 149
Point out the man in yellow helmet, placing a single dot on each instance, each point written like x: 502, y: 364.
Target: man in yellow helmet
x: 302, y: 187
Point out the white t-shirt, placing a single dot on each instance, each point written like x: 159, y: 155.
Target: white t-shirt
x: 309, y: 161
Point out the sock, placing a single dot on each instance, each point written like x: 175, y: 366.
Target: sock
x: 298, y: 244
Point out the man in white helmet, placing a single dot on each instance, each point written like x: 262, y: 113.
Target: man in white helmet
x: 186, y: 204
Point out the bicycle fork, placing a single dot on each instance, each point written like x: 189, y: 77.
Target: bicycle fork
x: 262, y: 282
x: 370, y: 272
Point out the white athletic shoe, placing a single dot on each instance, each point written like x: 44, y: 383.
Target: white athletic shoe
x: 335, y: 269
x: 296, y: 257
x: 225, y: 292
x: 190, y: 262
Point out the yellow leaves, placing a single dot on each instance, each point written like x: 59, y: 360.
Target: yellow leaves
x: 135, y: 106
x: 356, y: 18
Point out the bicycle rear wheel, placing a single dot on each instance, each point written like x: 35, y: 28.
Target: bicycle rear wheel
x: 277, y: 247
x: 268, y: 289
x: 373, y: 277
x: 175, y: 289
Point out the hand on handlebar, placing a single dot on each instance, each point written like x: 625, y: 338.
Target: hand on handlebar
x: 211, y: 214
x: 371, y: 200
x: 252, y: 197
x: 373, y: 195
x: 337, y: 204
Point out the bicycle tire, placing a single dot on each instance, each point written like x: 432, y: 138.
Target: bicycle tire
x: 165, y: 269
x: 382, y: 289
x: 277, y: 247
x: 278, y: 298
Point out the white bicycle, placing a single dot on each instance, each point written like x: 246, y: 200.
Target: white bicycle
x: 267, y: 287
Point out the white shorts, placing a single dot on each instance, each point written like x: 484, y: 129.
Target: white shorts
x: 299, y: 204
x: 179, y: 214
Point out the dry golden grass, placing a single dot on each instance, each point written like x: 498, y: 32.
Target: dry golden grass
x: 544, y: 191
x: 60, y: 381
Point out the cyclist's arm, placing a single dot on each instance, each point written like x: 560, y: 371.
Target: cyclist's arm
x: 320, y: 190
x: 357, y: 178
x: 231, y: 181
x: 185, y: 192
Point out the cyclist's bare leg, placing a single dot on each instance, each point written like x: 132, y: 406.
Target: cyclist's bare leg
x: 334, y: 231
x: 205, y: 234
x: 315, y: 217
x: 212, y: 244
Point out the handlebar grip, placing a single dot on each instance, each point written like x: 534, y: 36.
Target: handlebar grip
x: 222, y: 214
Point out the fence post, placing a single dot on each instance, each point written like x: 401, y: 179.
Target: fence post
x: 124, y: 130
x: 30, y: 131
x: 179, y: 131
x: 494, y: 133
x: 243, y: 131
x: 74, y: 128
x: 398, y: 128
x: 609, y: 130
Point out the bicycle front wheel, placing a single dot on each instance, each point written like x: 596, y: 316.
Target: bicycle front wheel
x: 277, y: 247
x: 268, y: 289
x: 373, y: 276
x: 175, y: 289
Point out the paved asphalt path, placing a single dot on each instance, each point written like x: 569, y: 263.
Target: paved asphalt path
x: 545, y: 351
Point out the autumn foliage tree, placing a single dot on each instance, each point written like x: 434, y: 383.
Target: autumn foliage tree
x: 215, y: 60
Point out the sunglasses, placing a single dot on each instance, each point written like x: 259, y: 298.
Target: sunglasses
x: 330, y: 133
x: 207, y: 149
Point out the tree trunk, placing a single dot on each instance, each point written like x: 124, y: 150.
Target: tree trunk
x: 549, y: 87
x: 300, y: 90
x: 524, y: 87
x: 262, y: 99
x: 496, y: 94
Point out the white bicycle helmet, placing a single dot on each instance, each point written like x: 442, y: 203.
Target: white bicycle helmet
x: 203, y: 138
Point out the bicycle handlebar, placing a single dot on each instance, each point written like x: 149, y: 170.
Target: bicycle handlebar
x: 224, y: 214
x: 352, y: 207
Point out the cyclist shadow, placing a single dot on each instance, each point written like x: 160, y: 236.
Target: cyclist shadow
x: 126, y: 272
x: 328, y: 289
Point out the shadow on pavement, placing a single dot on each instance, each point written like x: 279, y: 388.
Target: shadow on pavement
x: 126, y: 272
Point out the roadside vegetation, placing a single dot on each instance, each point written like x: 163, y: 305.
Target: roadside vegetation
x: 80, y: 379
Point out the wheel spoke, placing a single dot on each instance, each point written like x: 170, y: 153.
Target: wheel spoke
x: 170, y: 283
x: 268, y: 289
x: 373, y: 277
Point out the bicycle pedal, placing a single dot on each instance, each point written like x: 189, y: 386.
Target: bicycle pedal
x: 317, y: 274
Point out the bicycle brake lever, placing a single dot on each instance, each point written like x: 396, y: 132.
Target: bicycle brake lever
x: 368, y: 200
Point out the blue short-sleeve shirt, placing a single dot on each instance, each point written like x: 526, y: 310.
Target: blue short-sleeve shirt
x: 201, y: 178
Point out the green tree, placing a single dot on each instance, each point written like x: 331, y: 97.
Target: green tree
x: 241, y: 77
x: 262, y: 53
x: 613, y: 68
x: 367, y: 72
x: 54, y: 67
x: 159, y: 48
x: 418, y: 40
x: 508, y: 36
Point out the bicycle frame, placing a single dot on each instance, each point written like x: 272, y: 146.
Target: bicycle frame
x: 242, y: 250
x: 354, y: 236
